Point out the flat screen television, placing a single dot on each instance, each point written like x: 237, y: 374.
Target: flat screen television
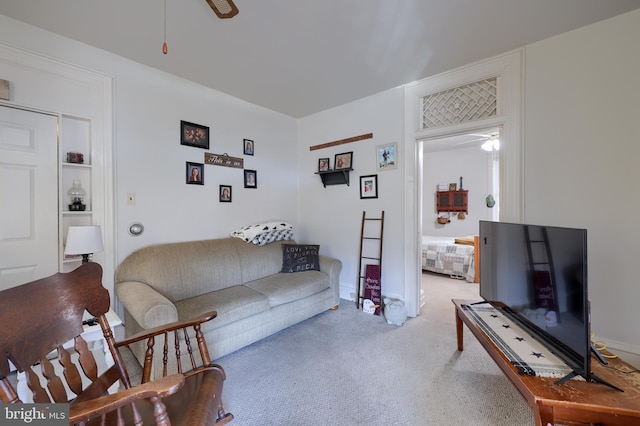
x: 537, y: 275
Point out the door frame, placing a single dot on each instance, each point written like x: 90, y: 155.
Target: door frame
x: 508, y: 68
x: 60, y: 88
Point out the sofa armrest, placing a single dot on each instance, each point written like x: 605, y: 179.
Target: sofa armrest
x: 148, y: 307
x: 331, y: 267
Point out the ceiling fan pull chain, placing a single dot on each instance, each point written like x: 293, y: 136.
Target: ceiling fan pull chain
x: 165, y: 49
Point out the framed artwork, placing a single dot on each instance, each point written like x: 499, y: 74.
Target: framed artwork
x: 453, y: 186
x: 323, y: 165
x: 247, y: 146
x: 250, y: 179
x: 195, y: 173
x: 387, y: 156
x: 343, y: 161
x: 225, y: 193
x: 194, y: 135
x: 369, y: 186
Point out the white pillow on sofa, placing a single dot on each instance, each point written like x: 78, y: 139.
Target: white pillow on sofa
x: 264, y: 232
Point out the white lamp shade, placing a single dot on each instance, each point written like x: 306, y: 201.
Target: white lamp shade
x: 83, y: 240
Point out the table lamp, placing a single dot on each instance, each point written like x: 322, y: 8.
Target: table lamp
x: 84, y: 240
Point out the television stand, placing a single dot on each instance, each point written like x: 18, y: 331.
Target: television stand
x: 598, y: 355
x: 592, y: 378
x: 577, y: 401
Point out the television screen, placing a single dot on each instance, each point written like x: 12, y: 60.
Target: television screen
x: 538, y: 276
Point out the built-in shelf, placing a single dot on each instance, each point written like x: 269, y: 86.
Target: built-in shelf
x: 335, y: 177
x: 78, y: 165
x: 75, y: 137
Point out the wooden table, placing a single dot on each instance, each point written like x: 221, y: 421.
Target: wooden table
x: 575, y: 402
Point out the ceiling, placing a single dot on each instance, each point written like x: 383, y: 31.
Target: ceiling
x: 299, y: 57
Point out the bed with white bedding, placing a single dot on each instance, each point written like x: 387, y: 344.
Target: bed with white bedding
x: 444, y: 255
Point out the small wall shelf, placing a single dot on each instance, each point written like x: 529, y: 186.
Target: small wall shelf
x: 335, y: 177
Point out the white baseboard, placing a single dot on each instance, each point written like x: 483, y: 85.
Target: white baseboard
x: 349, y: 293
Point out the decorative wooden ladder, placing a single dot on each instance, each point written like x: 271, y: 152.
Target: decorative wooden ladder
x: 378, y: 259
x: 542, y: 269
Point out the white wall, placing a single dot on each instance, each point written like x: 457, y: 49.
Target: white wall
x: 150, y: 162
x: 333, y: 215
x: 473, y: 164
x: 582, y: 143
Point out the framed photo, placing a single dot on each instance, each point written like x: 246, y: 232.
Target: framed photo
x: 250, y: 179
x: 247, y: 146
x: 225, y: 193
x: 453, y: 186
x: 195, y: 173
x: 323, y: 165
x: 194, y: 135
x: 387, y: 156
x: 343, y: 161
x: 369, y: 186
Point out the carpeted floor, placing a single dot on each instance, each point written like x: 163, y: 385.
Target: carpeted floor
x: 346, y: 367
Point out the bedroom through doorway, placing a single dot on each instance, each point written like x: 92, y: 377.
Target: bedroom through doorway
x: 468, y: 162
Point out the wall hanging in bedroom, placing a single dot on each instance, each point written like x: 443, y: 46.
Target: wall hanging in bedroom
x: 452, y: 201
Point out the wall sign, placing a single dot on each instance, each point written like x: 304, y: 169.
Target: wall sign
x: 223, y: 160
x: 372, y: 290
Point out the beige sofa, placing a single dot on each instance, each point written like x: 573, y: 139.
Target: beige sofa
x: 241, y: 281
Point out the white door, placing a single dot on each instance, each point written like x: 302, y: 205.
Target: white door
x: 28, y: 196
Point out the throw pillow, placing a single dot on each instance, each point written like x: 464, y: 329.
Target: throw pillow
x: 300, y: 257
x: 264, y: 232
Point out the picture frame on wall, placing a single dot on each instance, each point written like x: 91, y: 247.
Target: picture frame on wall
x: 225, y: 193
x: 323, y: 164
x: 195, y: 173
x: 387, y: 156
x: 250, y: 179
x: 247, y: 146
x: 343, y: 161
x: 369, y: 186
x: 195, y: 135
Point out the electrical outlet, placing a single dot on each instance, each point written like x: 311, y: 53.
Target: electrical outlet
x: 131, y: 198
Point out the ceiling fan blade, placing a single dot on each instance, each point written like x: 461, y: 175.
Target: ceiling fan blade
x: 223, y: 8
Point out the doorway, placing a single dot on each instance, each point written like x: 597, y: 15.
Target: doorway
x: 471, y: 160
x: 508, y: 71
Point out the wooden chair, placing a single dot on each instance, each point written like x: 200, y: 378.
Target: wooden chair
x: 38, y: 318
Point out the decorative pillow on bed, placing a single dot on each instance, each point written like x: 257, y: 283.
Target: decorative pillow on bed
x: 300, y: 257
x: 468, y: 240
x: 264, y: 232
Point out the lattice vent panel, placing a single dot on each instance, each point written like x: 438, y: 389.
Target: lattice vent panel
x: 461, y: 104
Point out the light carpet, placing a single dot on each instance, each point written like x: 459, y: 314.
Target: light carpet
x: 347, y: 367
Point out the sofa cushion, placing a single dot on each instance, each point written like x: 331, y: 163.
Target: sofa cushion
x: 232, y: 304
x: 283, y: 288
x: 183, y: 270
x: 300, y: 257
